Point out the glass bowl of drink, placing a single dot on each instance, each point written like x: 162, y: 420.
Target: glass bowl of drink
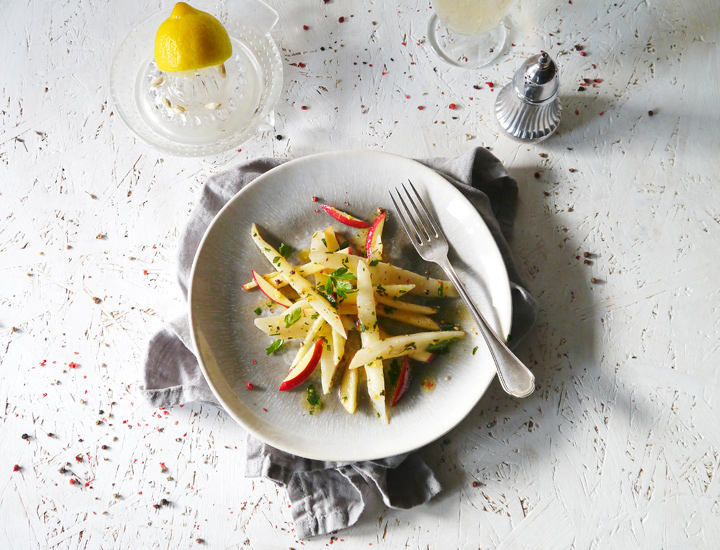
x: 468, y: 33
x: 205, y: 111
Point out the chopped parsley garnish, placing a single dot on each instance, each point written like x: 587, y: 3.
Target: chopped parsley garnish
x: 324, y: 242
x: 509, y: 337
x: 393, y: 373
x: 475, y: 350
x: 258, y: 311
x: 293, y: 317
x: 440, y: 347
x: 381, y: 290
x: 327, y: 295
x: 276, y: 260
x: 345, y: 244
x: 374, y: 263
x: 284, y: 250
x: 342, y: 274
x: 276, y: 345
x: 389, y: 310
x: 339, y: 282
x: 312, y: 396
x: 440, y: 289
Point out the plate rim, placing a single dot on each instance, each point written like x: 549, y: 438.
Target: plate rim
x: 269, y: 438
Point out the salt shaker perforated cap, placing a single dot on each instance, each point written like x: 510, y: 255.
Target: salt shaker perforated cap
x: 528, y: 109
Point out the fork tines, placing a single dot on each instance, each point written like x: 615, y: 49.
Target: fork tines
x: 422, y: 225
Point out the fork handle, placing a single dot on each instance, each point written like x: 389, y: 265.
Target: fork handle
x: 515, y: 378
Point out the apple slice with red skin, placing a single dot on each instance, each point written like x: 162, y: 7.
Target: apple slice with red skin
x: 422, y: 356
x: 304, y: 368
x: 403, y: 381
x: 373, y: 236
x: 343, y: 217
x: 270, y: 291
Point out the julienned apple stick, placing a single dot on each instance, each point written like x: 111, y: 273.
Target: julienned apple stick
x: 299, y: 283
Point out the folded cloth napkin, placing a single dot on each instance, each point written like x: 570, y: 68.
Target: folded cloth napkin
x: 326, y: 496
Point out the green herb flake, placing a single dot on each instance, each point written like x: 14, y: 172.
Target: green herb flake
x: 474, y: 350
x: 292, y: 317
x: 312, y: 396
x: 440, y: 347
x: 374, y: 263
x: 339, y: 282
x: 343, y: 274
x: 276, y: 260
x: 389, y: 310
x: 324, y: 242
x: 276, y: 345
x: 440, y: 289
x: 393, y: 373
x: 284, y: 250
x: 258, y: 311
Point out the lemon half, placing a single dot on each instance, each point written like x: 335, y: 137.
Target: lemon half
x: 191, y: 39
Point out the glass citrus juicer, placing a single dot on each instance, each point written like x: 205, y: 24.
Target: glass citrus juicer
x: 190, y: 85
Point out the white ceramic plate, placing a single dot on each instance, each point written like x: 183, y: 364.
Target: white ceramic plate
x: 232, y: 351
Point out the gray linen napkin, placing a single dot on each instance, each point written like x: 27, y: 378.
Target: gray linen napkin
x: 326, y: 496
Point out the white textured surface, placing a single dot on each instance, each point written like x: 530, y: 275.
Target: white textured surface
x: 620, y: 445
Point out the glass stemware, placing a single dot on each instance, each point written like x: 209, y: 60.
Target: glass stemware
x: 468, y: 33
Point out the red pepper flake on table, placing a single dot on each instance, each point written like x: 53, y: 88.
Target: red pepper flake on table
x: 16, y: 468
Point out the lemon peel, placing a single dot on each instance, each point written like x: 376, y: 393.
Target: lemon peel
x: 191, y: 39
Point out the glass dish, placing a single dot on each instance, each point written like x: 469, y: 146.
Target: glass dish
x: 248, y: 87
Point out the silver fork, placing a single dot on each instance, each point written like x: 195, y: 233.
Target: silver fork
x: 430, y: 242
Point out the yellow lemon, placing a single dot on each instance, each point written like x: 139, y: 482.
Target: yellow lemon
x: 190, y: 39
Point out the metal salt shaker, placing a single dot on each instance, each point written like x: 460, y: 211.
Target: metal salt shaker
x: 528, y: 109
